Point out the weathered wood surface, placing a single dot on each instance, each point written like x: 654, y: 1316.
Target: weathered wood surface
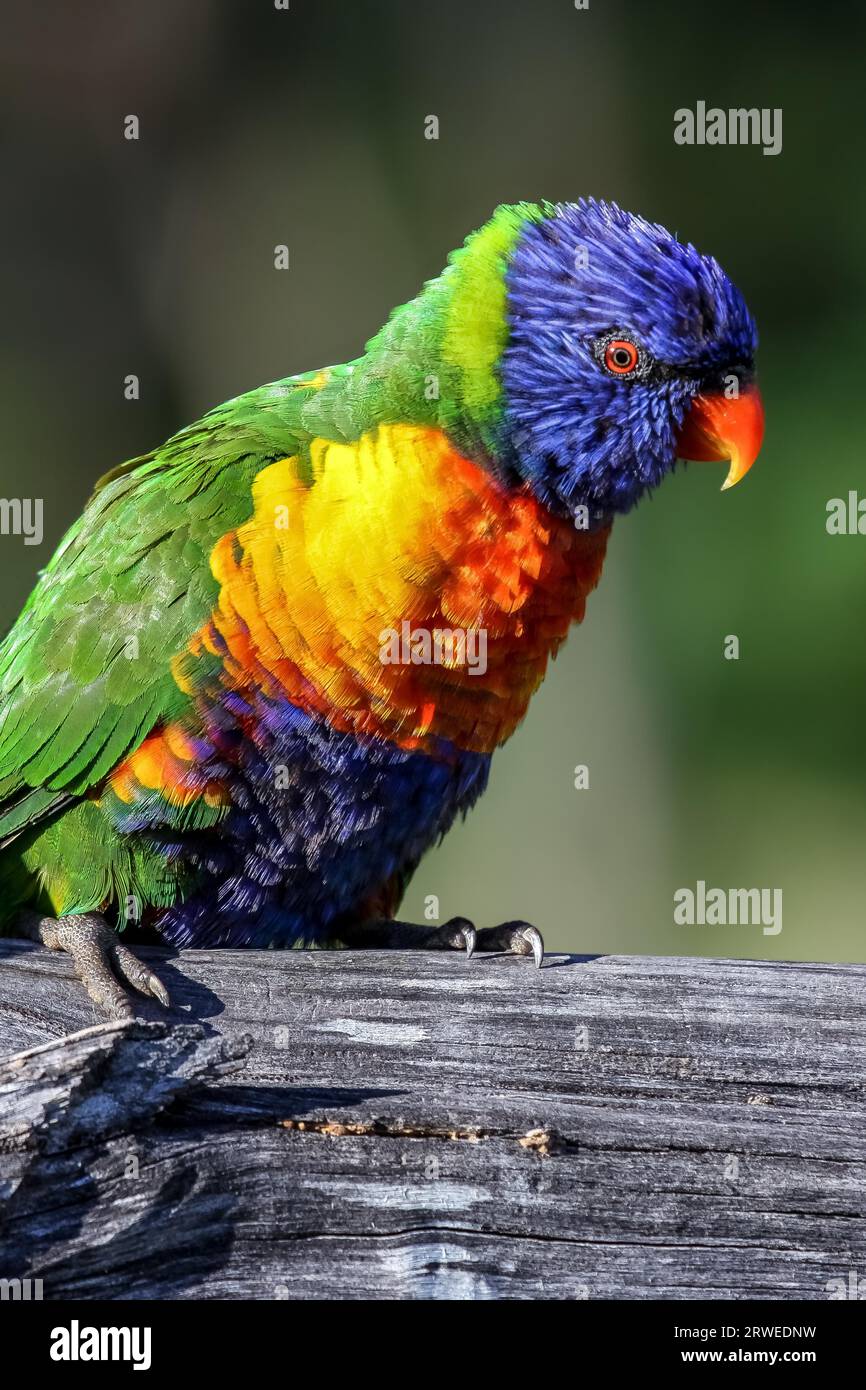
x: 420, y: 1125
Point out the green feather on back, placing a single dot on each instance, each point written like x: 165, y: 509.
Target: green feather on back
x: 85, y: 671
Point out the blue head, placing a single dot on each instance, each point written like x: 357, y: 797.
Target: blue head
x: 626, y: 349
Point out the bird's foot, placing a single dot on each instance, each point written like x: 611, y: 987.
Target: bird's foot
x: 103, y: 965
x: 515, y: 938
x: 458, y: 933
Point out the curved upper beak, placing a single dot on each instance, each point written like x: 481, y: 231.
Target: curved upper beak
x: 717, y: 428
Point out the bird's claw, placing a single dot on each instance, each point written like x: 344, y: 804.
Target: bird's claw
x: 513, y: 938
x: 461, y: 935
x: 530, y: 936
x: 103, y: 965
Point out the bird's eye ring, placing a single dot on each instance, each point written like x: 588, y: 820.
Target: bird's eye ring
x: 621, y: 356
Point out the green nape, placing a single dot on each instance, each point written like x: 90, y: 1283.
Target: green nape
x: 435, y: 362
x: 475, y: 318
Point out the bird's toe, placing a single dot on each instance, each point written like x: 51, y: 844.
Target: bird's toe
x: 138, y: 975
x: 460, y: 933
x: 102, y: 964
x: 515, y: 938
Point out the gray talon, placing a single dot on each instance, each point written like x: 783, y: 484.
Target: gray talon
x: 460, y: 933
x: 522, y: 939
x: 158, y: 989
x: 515, y: 938
x: 533, y: 936
x: 135, y: 973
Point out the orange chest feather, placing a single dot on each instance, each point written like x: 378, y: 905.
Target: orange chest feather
x: 402, y: 592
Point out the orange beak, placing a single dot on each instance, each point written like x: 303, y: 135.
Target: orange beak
x: 717, y: 428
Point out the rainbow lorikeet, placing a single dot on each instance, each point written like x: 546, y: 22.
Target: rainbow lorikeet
x: 270, y: 663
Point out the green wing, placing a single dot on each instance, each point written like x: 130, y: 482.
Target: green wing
x: 85, y: 672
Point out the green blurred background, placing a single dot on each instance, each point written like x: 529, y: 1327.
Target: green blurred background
x: 260, y: 127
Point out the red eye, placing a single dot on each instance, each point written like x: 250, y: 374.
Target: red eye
x: 620, y: 356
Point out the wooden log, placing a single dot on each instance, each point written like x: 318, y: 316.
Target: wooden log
x: 422, y: 1126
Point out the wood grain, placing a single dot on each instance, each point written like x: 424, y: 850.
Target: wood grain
x: 416, y: 1125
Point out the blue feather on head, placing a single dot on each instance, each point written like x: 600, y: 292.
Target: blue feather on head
x: 615, y: 329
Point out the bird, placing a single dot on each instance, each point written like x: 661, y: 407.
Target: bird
x: 268, y: 666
